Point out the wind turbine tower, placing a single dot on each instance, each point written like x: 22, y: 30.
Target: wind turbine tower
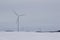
x: 18, y: 16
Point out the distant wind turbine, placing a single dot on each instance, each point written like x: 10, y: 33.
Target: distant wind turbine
x: 18, y: 16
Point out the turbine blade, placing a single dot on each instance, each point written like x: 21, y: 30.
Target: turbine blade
x: 15, y: 12
x: 17, y: 20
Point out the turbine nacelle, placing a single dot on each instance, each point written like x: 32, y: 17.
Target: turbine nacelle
x: 21, y: 15
x: 18, y: 14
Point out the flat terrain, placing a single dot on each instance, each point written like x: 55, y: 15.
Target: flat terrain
x: 29, y: 36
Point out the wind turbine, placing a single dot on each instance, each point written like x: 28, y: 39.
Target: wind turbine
x: 18, y: 16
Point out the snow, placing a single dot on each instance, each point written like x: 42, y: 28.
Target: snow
x: 29, y: 36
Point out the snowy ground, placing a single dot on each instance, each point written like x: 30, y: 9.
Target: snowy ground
x: 29, y: 36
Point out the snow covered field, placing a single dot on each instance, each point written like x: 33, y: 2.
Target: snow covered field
x: 29, y: 36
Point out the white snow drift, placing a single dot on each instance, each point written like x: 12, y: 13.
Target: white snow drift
x: 29, y: 36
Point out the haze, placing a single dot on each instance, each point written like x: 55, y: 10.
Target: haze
x: 45, y: 13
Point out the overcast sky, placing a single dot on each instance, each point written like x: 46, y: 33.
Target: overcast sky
x: 37, y: 12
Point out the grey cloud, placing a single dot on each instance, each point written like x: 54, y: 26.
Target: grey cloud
x: 37, y: 11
